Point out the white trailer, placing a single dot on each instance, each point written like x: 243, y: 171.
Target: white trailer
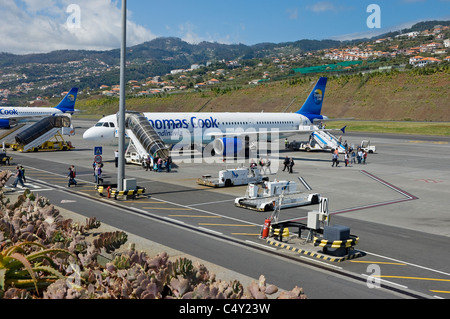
x: 233, y: 177
x: 269, y: 195
x: 365, y: 146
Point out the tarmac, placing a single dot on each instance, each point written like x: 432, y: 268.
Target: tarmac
x: 402, y: 187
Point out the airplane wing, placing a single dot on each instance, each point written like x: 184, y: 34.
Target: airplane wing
x: 281, y: 133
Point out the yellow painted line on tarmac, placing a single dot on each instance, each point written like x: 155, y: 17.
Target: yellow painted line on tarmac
x: 377, y: 262
x: 431, y: 142
x: 440, y: 143
x: 414, y: 278
x: 441, y: 291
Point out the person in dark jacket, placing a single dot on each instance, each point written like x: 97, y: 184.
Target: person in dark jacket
x: 286, y: 164
x: 291, y: 164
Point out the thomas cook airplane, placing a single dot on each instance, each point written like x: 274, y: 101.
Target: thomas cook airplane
x: 11, y: 115
x: 228, y: 130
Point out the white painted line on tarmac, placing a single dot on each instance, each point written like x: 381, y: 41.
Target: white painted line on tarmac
x: 410, y: 264
x: 209, y: 203
x: 210, y: 231
x: 386, y: 281
x: 258, y: 244
x: 320, y: 262
x: 173, y: 220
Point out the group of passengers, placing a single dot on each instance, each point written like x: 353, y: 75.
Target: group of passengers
x: 158, y: 164
x: 351, y: 156
x: 264, y: 166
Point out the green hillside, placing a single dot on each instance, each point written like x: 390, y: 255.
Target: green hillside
x: 412, y: 96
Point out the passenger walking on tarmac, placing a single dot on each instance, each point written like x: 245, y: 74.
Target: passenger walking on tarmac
x: 18, y: 178
x: 98, y: 174
x: 353, y: 160
x: 346, y: 158
x: 335, y: 158
x: 72, y: 174
x: 268, y: 166
x: 286, y: 163
x: 286, y: 143
x: 169, y: 164
x: 116, y: 158
x: 364, y: 157
x: 359, y: 156
x: 262, y: 164
x: 160, y: 161
x: 148, y: 163
x: 291, y: 164
x: 23, y: 174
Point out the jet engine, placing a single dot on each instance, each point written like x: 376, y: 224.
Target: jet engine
x: 228, y: 146
x: 4, y: 123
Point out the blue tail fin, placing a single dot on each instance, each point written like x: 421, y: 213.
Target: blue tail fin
x: 67, y: 104
x: 313, y: 104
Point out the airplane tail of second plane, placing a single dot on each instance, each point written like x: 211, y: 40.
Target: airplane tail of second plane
x: 313, y: 104
x: 67, y: 104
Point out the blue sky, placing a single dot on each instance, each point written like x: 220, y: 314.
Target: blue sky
x: 28, y: 26
x: 256, y: 21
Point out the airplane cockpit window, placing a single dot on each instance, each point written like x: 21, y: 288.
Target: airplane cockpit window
x: 99, y: 124
x: 111, y: 124
x: 106, y: 124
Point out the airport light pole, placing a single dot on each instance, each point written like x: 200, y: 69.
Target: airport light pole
x: 121, y: 115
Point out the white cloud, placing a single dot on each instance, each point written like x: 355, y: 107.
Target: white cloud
x: 292, y: 13
x: 33, y: 26
x: 322, y: 6
x: 186, y: 32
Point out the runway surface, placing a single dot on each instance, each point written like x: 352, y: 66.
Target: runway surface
x: 397, y: 204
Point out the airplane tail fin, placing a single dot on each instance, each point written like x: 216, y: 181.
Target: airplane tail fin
x: 67, y: 104
x: 313, y: 104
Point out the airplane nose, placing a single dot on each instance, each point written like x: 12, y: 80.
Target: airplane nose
x: 90, y: 135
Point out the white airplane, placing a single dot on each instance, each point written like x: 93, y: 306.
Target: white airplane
x: 11, y: 115
x: 226, y: 130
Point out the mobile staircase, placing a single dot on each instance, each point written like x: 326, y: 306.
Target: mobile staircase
x: 144, y: 140
x: 327, y: 141
x: 39, y: 135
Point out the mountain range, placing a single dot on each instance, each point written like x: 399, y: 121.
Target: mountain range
x: 168, y: 53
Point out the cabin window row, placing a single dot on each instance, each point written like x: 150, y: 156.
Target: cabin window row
x: 105, y: 124
x: 258, y: 122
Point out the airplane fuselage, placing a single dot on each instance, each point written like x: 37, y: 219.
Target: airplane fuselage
x: 10, y: 112
x: 11, y: 115
x: 204, y: 127
x: 223, y: 128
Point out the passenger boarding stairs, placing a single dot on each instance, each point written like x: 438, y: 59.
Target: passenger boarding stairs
x: 8, y: 137
x: 326, y: 140
x: 143, y: 137
x: 35, y: 135
x: 41, y: 139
